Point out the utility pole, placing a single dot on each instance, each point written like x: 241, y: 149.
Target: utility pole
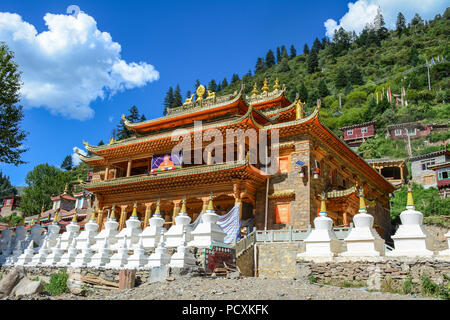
x: 428, y: 70
x: 409, y: 143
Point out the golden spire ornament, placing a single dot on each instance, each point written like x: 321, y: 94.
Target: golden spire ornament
x: 210, y: 203
x: 183, y: 206
x: 66, y: 188
x: 276, y: 85
x: 158, y: 210
x: 113, y: 212
x: 56, y: 217
x: 255, y: 89
x: 362, y: 201
x: 299, y: 110
x: 134, y: 213
x: 323, y: 205
x: 93, y: 214
x: 410, y: 200
x: 74, y: 219
x: 265, y: 87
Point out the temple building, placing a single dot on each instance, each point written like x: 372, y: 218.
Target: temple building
x: 311, y: 159
x: 356, y: 134
x: 394, y: 170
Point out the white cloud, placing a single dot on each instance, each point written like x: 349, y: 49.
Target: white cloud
x: 75, y: 158
x: 110, y: 118
x: 364, y: 11
x: 71, y: 64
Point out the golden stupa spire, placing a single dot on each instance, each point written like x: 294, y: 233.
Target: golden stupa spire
x: 323, y: 205
x: 66, y: 188
x: 74, y: 219
x: 113, y: 212
x: 56, y: 217
x: 42, y: 208
x: 255, y: 89
x: 158, y: 210
x: 265, y: 87
x: 362, y: 201
x: 410, y: 200
x: 183, y: 205
x: 210, y: 203
x: 134, y: 213
x: 276, y: 86
x: 93, y: 217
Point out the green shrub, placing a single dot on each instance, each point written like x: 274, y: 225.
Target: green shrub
x: 408, y: 286
x: 312, y: 279
x: 430, y: 288
x: 58, y: 283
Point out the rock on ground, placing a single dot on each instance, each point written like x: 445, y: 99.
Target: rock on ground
x: 9, y: 281
x: 27, y: 287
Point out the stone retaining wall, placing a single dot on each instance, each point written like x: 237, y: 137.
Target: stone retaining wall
x: 377, y: 273
x: 277, y: 259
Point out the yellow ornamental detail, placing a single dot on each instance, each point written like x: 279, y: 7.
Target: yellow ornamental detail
x: 323, y: 205
x: 134, y: 213
x: 255, y: 89
x: 200, y: 92
x: 265, y: 87
x: 410, y: 200
x: 276, y: 85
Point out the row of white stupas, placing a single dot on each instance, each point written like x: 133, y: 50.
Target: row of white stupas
x: 110, y: 248
x: 410, y: 240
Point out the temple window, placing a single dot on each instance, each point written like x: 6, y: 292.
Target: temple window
x: 364, y: 130
x: 284, y: 164
x: 398, y: 132
x: 349, y: 132
x: 443, y: 175
x: 282, y: 213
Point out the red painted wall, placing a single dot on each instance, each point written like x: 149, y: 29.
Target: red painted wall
x: 357, y: 134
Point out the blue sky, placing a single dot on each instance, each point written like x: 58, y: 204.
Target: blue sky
x: 69, y: 97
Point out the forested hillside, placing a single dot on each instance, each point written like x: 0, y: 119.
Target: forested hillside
x: 356, y: 68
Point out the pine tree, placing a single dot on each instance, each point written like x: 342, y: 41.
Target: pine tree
x: 382, y: 31
x: 143, y: 118
x: 177, y: 99
x: 312, y: 62
x: 11, y: 115
x: 284, y: 53
x: 219, y: 87
x: 212, y: 86
x: 413, y: 57
x: 284, y: 65
x: 224, y: 83
x: 196, y: 84
x: 235, y: 78
x: 67, y: 163
x: 323, y: 89
x: 100, y: 143
x: 278, y: 55
x: 316, y: 45
x: 270, y: 59
x: 341, y: 79
x: 324, y: 43
x: 260, y: 66
x: 168, y: 100
x: 348, y: 88
x: 306, y: 49
x: 122, y: 132
x: 401, y: 24
x: 6, y: 188
x: 356, y: 76
x: 293, y: 52
x: 303, y: 92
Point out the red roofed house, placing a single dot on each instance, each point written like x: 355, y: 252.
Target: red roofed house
x: 356, y: 134
x: 10, y: 204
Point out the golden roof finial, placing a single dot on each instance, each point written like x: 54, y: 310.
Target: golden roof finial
x: 134, y: 213
x: 362, y: 201
x: 299, y: 110
x: 85, y: 143
x: 276, y: 85
x: 158, y: 210
x: 319, y: 102
x: 410, y: 200
x: 42, y: 207
x: 22, y: 222
x: 112, y: 140
x: 74, y: 219
x: 323, y: 205
x: 210, y: 203
x: 66, y: 188
x: 33, y: 222
x: 200, y: 92
x: 56, y: 217
x: 123, y: 117
x: 93, y: 217
x: 255, y: 89
x: 38, y: 220
x: 183, y: 205
x: 265, y: 87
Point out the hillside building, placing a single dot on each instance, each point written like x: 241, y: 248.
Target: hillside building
x: 356, y: 134
x: 421, y: 167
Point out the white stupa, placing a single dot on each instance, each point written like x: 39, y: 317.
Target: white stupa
x: 37, y: 232
x: 120, y: 258
x: 322, y: 241
x: 138, y: 259
x: 53, y: 231
x: 6, y: 252
x: 55, y: 256
x: 447, y: 251
x: 159, y: 257
x: 84, y: 257
x: 411, y: 238
x: 132, y: 230
x: 40, y: 257
x: 109, y: 232
x: 69, y: 257
x: 6, y: 238
x: 150, y: 235
x: 26, y: 256
x: 208, y: 232
x: 72, y: 231
x: 12, y: 259
x: 103, y: 255
x: 87, y: 236
x: 183, y: 258
x: 174, y: 236
x: 21, y: 233
x: 363, y: 239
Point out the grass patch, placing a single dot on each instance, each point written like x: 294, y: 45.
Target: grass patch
x: 58, y: 283
x: 312, y: 279
x: 1, y: 276
x: 442, y: 221
x: 408, y: 286
x: 389, y: 285
x: 430, y: 288
x: 35, y: 279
